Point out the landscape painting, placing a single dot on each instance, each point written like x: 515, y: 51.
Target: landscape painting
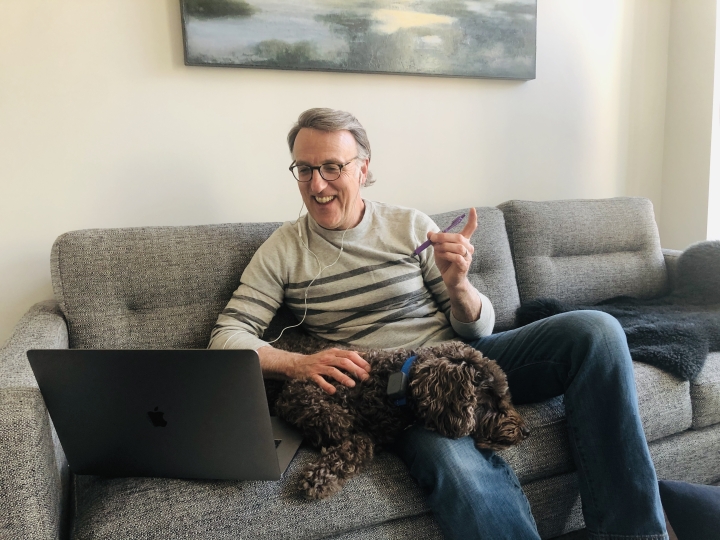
x: 454, y: 38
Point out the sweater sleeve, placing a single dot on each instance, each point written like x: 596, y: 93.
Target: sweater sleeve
x: 255, y: 302
x: 484, y: 325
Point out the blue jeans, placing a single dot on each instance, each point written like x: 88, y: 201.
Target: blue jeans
x: 584, y: 355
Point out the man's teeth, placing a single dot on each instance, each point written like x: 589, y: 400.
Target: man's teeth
x: 324, y: 200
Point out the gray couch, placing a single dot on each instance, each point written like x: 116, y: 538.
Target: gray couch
x: 163, y: 287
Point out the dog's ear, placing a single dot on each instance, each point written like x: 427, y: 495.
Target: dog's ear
x: 497, y: 431
x: 444, y: 397
x: 498, y: 425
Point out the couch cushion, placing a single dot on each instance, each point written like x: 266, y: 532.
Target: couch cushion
x: 705, y: 393
x: 690, y: 456
x: 584, y: 251
x: 156, y: 508
x: 492, y: 271
x: 663, y: 400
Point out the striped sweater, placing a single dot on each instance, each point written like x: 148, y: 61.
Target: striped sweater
x: 377, y: 294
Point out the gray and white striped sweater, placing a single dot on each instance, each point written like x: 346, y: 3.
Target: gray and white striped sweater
x: 378, y: 294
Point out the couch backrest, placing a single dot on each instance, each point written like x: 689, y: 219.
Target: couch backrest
x: 585, y: 251
x: 163, y: 287
x: 150, y: 287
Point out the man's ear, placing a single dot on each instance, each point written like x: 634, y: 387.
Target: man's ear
x: 364, y: 168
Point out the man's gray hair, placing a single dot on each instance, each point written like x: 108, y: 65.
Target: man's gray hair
x: 333, y: 120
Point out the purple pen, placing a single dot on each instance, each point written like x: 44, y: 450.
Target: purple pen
x: 422, y: 247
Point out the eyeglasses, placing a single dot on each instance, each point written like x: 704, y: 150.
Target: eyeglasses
x: 328, y: 171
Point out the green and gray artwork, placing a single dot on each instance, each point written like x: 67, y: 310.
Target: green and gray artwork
x: 478, y: 38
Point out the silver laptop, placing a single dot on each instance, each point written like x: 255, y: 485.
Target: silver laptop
x: 167, y: 413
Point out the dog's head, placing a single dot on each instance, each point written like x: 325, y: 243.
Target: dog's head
x: 456, y: 391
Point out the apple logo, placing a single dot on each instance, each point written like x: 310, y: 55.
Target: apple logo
x: 156, y: 417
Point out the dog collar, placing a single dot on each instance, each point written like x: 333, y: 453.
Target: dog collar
x: 397, y: 383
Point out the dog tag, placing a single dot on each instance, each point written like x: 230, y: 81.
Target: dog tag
x: 397, y: 385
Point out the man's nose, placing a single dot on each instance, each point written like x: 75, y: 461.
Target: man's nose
x: 317, y: 182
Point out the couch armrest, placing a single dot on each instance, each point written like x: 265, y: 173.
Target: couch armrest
x: 34, y: 474
x: 671, y: 259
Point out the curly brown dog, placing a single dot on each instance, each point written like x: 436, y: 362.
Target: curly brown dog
x: 453, y: 389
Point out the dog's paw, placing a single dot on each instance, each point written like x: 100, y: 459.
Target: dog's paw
x: 320, y: 483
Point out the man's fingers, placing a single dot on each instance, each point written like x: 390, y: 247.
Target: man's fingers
x: 440, y: 239
x: 333, y: 364
x: 338, y: 375
x: 356, y: 359
x: 347, y: 365
x: 463, y: 262
x: 471, y: 224
x: 351, y: 362
x: 463, y: 248
x: 466, y: 232
x: 322, y: 383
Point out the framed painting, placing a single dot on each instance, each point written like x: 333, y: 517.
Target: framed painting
x: 451, y: 38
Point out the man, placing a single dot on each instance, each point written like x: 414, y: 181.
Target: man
x: 347, y: 271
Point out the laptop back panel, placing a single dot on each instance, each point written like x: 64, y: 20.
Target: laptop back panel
x: 180, y: 413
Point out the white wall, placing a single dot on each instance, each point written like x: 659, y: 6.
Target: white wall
x: 688, y: 122
x: 101, y: 125
x: 713, y: 225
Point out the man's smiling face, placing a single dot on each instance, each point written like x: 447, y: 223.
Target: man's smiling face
x: 334, y: 205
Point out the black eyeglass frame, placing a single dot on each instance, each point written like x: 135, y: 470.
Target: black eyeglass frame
x: 318, y: 168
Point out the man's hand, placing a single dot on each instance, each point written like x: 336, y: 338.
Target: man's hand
x: 331, y: 363
x: 453, y: 252
x: 453, y: 256
x: 319, y: 367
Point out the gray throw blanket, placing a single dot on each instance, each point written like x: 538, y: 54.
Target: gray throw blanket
x: 674, y: 332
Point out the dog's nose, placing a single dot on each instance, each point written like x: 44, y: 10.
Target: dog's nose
x: 525, y: 431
